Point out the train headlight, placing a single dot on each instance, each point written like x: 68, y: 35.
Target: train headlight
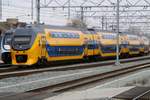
x: 7, y: 47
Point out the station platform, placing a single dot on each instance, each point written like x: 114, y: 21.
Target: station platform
x: 121, y: 93
x: 97, y: 94
x: 137, y: 93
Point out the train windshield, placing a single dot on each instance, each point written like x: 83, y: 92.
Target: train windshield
x: 23, y: 38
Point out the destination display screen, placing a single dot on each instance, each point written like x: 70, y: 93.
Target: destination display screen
x: 22, y: 39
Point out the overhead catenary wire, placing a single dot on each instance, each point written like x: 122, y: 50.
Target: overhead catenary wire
x: 139, y: 8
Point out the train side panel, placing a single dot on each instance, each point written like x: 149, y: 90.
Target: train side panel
x: 91, y: 42
x: 134, y: 44
x: 64, y: 45
x: 146, y: 42
x: 124, y: 45
x: 107, y: 44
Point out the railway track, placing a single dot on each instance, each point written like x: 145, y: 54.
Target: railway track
x: 14, y: 71
x: 70, y: 84
x: 86, y: 80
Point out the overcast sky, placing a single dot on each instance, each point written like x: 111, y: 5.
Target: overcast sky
x: 22, y: 8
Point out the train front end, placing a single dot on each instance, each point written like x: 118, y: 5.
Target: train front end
x: 25, y: 46
x: 5, y: 47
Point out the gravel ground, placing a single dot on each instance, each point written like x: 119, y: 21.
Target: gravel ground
x: 26, y: 83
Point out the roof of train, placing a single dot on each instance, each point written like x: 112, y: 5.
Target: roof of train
x: 40, y: 28
x: 54, y: 27
x: 43, y: 26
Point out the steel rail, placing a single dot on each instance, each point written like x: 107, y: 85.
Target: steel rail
x: 65, y: 86
x: 15, y: 71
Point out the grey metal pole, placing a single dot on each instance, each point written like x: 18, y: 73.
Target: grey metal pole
x: 117, y: 46
x: 102, y: 23
x: 32, y: 9
x: 0, y: 9
x: 82, y: 14
x: 68, y: 9
x: 106, y: 22
x: 38, y: 11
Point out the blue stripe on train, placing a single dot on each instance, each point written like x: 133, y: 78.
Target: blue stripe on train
x: 134, y: 47
x: 112, y: 48
x: 108, y: 48
x: 64, y: 50
x: 92, y: 46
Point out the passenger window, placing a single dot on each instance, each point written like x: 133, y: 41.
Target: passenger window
x: 62, y: 35
x: 78, y: 36
x: 53, y: 35
x: 69, y: 35
x: 57, y: 35
x: 65, y: 35
x: 73, y: 35
x: 108, y: 37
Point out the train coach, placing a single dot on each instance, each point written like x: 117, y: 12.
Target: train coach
x: 6, y: 46
x: 144, y: 45
x: 107, y: 44
x: 41, y: 44
x: 134, y: 44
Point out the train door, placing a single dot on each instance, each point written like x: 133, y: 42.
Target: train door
x: 90, y: 44
x: 94, y: 42
x: 86, y: 46
x: 87, y: 43
x: 43, y: 48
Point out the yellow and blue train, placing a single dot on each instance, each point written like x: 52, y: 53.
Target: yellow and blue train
x: 43, y: 43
